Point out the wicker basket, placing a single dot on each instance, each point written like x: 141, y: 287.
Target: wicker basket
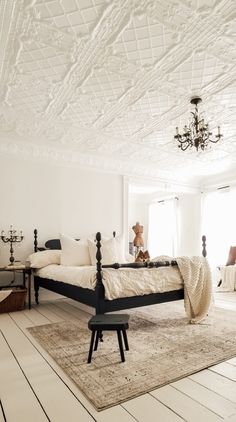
x: 15, y: 301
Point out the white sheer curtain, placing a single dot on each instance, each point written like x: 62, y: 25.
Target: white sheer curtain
x: 162, y: 228
x: 219, y: 224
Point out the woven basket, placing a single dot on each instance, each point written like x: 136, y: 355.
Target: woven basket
x: 15, y: 301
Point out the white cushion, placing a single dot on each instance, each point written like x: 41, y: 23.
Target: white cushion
x: 74, y: 252
x: 120, y: 248
x: 43, y: 258
x: 108, y: 251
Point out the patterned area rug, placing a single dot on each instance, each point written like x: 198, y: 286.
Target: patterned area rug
x: 163, y: 348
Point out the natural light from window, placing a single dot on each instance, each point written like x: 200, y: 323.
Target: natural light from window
x: 162, y: 228
x: 219, y: 216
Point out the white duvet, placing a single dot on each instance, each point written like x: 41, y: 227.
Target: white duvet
x: 124, y: 282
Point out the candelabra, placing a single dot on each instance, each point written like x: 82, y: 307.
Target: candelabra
x: 12, y: 237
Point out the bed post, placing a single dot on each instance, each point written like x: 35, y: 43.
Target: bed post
x: 36, y: 285
x: 99, y: 290
x: 204, y: 251
x: 35, y: 240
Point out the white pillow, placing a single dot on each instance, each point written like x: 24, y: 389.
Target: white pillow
x: 43, y: 258
x: 74, y: 252
x: 108, y: 251
x: 120, y: 249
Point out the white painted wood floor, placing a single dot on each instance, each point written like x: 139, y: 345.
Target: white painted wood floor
x: 34, y: 389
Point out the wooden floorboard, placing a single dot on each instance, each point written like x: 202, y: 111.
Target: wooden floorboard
x: 206, y: 397
x: 17, y: 396
x: 115, y: 414
x: 146, y: 406
x: 54, y: 396
x: 30, y: 376
x: 2, y: 414
x: 217, y: 383
x: 184, y: 406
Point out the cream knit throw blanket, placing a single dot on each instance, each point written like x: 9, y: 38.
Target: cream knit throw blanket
x: 196, y: 274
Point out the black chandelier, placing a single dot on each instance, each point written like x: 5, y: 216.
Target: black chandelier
x: 197, y: 134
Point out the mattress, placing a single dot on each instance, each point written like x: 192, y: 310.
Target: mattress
x: 124, y: 282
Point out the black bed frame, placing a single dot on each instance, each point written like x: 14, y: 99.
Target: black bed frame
x: 96, y: 298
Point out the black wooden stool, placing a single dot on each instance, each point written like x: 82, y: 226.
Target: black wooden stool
x: 108, y: 322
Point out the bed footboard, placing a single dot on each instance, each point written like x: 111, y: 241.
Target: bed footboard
x: 103, y: 305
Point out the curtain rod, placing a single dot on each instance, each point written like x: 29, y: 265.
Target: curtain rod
x: 169, y: 199
x: 223, y: 187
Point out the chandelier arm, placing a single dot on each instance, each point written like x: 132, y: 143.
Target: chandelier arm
x: 184, y: 141
x: 182, y: 147
x: 215, y: 141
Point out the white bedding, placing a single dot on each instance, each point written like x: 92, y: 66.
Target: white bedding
x: 228, y: 277
x: 124, y: 282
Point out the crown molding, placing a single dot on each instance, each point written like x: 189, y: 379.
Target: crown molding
x: 131, y: 171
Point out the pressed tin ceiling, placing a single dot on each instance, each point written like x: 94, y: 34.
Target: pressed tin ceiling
x: 103, y: 84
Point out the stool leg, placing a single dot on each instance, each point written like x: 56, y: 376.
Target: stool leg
x: 96, y: 340
x: 125, y: 339
x: 91, y: 347
x: 120, y: 346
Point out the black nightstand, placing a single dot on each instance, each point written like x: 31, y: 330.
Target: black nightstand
x: 26, y: 272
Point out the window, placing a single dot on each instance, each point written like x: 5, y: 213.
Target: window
x: 219, y: 224
x: 162, y: 228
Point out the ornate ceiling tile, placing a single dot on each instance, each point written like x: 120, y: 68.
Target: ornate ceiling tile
x: 111, y: 80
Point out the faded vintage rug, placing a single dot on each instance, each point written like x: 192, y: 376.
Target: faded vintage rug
x: 163, y: 348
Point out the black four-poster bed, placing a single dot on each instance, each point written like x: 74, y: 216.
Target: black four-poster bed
x: 96, y: 298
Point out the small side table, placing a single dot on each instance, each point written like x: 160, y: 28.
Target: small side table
x: 108, y: 322
x: 26, y: 272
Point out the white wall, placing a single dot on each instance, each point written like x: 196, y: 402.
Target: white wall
x: 53, y: 199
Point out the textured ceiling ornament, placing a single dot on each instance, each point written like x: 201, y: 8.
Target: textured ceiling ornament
x: 173, y: 15
x: 50, y: 35
x: 114, y: 19
x: 118, y: 64
x: 7, y: 118
x: 11, y: 13
x: 174, y: 57
x: 116, y: 91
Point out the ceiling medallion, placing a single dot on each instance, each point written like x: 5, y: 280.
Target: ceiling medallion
x: 197, y: 134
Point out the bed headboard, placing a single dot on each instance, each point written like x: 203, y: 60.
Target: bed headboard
x: 51, y: 243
